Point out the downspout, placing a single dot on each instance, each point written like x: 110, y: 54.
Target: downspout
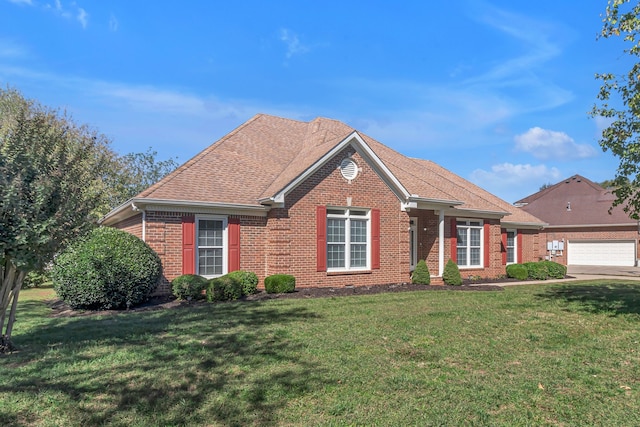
x: 144, y: 220
x: 440, y: 242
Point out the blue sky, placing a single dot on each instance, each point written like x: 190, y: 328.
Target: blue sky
x: 495, y: 91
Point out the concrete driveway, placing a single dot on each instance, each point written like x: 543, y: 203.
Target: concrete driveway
x: 603, y: 270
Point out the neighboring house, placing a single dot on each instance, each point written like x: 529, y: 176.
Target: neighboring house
x: 583, y: 229
x: 324, y: 203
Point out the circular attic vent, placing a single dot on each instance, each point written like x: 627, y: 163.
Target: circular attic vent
x: 349, y: 169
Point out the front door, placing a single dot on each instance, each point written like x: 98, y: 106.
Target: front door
x: 413, y: 243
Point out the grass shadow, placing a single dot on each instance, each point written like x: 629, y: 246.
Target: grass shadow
x: 609, y: 298
x: 230, y: 364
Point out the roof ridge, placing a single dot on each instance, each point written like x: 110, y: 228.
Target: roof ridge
x: 535, y: 196
x: 196, y: 158
x: 307, y: 147
x: 476, y: 187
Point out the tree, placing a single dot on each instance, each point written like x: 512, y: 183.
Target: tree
x: 133, y: 173
x: 545, y: 186
x: 51, y: 189
x: 619, y: 101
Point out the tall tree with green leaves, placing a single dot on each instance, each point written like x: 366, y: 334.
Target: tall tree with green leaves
x: 52, y: 190
x: 619, y: 102
x: 137, y: 171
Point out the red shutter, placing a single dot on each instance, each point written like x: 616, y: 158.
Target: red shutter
x: 503, y: 248
x: 375, y: 239
x: 519, y: 256
x: 487, y: 245
x: 454, y: 240
x: 233, y: 232
x: 188, y: 244
x: 321, y: 238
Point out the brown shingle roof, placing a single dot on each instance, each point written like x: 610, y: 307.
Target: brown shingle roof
x: 267, y: 153
x: 575, y: 201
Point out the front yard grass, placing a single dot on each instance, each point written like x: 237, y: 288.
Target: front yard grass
x: 549, y: 354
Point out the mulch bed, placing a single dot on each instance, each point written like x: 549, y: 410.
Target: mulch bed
x: 60, y: 309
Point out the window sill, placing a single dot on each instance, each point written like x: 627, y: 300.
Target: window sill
x: 347, y: 272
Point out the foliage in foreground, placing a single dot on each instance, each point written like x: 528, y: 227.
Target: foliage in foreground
x: 540, y: 270
x: 279, y: 283
x: 618, y: 103
x: 189, y: 287
x: 108, y: 269
x: 51, y: 185
x: 248, y: 280
x: 532, y: 355
x: 451, y: 274
x: 421, y: 275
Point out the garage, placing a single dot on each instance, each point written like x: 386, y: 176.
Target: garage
x: 602, y: 252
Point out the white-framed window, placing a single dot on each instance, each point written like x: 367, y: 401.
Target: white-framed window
x: 511, y: 246
x: 348, y: 239
x: 211, y: 242
x: 470, y: 243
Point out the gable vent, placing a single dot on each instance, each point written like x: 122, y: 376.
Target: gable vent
x: 349, y: 169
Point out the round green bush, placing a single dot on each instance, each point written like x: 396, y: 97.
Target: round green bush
x: 537, y: 270
x: 279, y: 283
x: 517, y: 271
x: 556, y: 270
x: 107, y: 269
x: 189, y: 287
x: 451, y: 274
x: 224, y: 288
x: 248, y: 279
x: 421, y: 275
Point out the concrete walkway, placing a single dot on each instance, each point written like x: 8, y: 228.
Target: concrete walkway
x: 586, y: 272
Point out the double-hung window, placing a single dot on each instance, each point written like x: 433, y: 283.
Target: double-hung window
x: 469, y: 245
x: 511, y: 246
x: 211, y: 259
x: 348, y: 239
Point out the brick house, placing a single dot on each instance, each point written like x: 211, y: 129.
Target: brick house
x: 582, y: 228
x: 325, y: 203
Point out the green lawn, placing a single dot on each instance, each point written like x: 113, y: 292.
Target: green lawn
x: 548, y: 354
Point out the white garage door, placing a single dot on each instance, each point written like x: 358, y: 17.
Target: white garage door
x: 611, y: 252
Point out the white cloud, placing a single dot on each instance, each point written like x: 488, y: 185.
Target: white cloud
x: 291, y: 40
x: 113, y: 23
x: 83, y: 17
x: 513, y: 182
x: 546, y: 144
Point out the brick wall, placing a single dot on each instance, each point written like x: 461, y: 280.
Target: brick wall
x: 131, y: 225
x: 285, y: 241
x: 291, y: 244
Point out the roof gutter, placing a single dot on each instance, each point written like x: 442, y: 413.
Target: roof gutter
x: 132, y: 206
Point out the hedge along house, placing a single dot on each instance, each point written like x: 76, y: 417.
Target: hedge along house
x: 324, y: 203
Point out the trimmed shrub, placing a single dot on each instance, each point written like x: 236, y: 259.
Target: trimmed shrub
x: 107, y: 269
x: 189, y: 287
x: 279, y: 283
x: 451, y: 274
x: 537, y: 270
x: 556, y: 270
x: 517, y: 271
x: 35, y: 279
x: 224, y: 288
x: 248, y: 280
x: 421, y: 275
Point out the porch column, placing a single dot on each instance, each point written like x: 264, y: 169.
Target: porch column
x: 440, y: 242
